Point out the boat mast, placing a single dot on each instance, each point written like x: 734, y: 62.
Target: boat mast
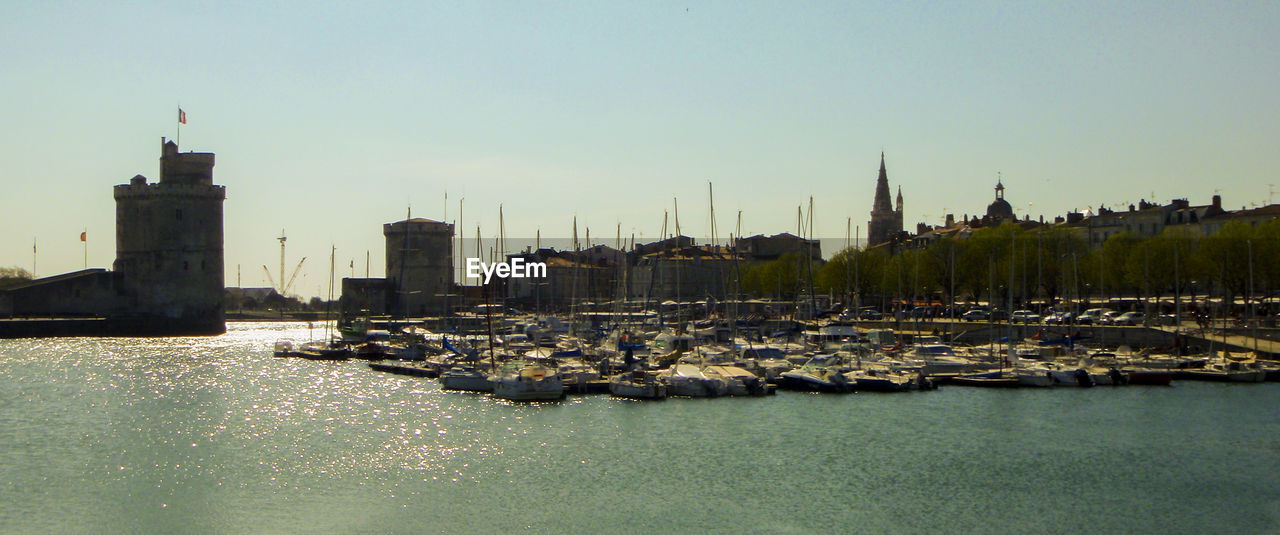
x: 328, y: 335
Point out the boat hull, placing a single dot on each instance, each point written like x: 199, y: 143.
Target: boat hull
x: 634, y: 390
x: 466, y: 382
x: 1150, y: 377
x: 522, y: 389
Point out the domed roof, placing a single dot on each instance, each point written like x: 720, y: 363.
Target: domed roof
x: 1000, y: 208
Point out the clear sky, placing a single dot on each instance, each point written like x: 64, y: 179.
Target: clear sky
x: 329, y: 119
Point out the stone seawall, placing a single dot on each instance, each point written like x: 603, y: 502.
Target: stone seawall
x: 60, y: 327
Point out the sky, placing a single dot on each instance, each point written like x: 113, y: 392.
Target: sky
x: 330, y: 119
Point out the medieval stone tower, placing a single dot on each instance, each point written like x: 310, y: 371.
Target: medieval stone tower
x: 419, y: 266
x: 886, y: 223
x: 169, y: 245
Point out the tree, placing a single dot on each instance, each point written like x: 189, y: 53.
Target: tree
x: 1224, y: 259
x: 13, y: 276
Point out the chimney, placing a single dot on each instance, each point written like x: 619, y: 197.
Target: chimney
x: 951, y: 220
x: 1217, y: 202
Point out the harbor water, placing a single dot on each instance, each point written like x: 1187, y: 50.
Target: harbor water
x: 214, y: 435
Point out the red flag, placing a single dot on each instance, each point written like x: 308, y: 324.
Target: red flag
x: 182, y: 116
x: 82, y: 235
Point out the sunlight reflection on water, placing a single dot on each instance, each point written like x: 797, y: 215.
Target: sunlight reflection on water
x: 228, y: 438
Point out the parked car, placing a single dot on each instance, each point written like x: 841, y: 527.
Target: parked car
x: 1129, y: 318
x: 1058, y: 318
x: 976, y: 314
x: 1092, y: 316
x: 1025, y: 316
x: 870, y: 314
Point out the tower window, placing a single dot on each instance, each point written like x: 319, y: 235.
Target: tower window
x: 179, y: 214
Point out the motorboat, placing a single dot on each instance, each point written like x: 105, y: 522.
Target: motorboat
x: 637, y: 384
x: 466, y: 379
x: 689, y: 380
x: 532, y: 382
x: 820, y: 374
x: 739, y: 381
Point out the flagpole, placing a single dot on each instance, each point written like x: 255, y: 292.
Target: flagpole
x: 85, y: 241
x: 33, y: 258
x: 178, y: 138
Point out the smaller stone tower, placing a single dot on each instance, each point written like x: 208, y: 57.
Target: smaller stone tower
x: 419, y: 266
x: 169, y: 246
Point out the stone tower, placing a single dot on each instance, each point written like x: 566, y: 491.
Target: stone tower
x: 169, y: 246
x: 886, y: 223
x: 419, y: 266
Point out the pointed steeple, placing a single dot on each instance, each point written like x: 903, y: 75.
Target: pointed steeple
x: 899, y: 198
x: 881, y: 202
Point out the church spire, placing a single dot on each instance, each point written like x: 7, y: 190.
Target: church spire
x: 881, y: 202
x: 899, y: 198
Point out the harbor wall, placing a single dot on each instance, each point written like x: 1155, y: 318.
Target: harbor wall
x: 116, y: 326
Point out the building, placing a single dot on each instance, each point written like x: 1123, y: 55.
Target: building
x: 570, y: 278
x: 167, y: 278
x: 999, y: 210
x: 685, y: 274
x: 761, y: 247
x: 169, y: 242
x: 886, y: 223
x: 419, y: 266
x: 1213, y: 222
x: 1147, y: 220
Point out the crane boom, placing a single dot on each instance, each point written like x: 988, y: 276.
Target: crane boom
x: 294, y: 276
x: 268, y: 272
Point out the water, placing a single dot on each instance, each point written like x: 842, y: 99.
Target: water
x: 213, y: 435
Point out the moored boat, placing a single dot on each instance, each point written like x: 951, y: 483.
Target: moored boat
x: 465, y: 379
x: 533, y: 382
x: 637, y: 385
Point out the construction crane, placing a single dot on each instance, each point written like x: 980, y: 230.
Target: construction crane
x: 269, y: 279
x: 294, y: 277
x: 282, y: 239
x: 283, y: 289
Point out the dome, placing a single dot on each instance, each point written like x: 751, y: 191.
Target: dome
x: 1000, y: 208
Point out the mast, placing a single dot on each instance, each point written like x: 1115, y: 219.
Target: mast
x: 857, y: 275
x: 1013, y: 247
x: 808, y: 261
x: 328, y: 336
x: 675, y: 206
x: 1177, y: 299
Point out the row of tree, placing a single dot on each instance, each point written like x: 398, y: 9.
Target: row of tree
x: 1041, y: 264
